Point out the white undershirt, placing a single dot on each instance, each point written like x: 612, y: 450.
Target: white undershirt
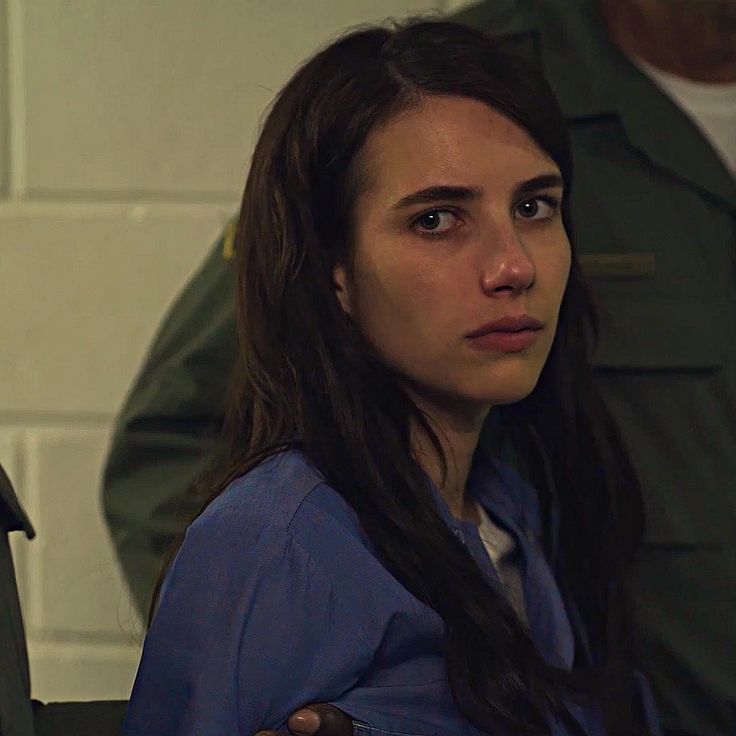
x: 502, y: 550
x: 712, y: 107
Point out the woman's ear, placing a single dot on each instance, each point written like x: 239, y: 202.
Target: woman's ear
x: 340, y: 280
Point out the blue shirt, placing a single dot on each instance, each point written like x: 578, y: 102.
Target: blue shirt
x: 277, y: 599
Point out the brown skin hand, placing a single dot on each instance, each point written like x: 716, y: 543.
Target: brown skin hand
x: 317, y: 719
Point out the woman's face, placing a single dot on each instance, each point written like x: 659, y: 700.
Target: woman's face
x: 457, y: 227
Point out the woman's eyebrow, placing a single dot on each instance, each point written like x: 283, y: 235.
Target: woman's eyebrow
x: 543, y: 181
x: 445, y: 192
x: 442, y: 192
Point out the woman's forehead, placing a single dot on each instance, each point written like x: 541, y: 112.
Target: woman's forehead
x: 450, y: 140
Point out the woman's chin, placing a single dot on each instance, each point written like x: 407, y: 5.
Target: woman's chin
x: 504, y: 392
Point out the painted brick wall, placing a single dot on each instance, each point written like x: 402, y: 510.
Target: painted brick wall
x: 125, y: 132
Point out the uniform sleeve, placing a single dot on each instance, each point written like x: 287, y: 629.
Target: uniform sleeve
x: 248, y: 629
x: 165, y: 433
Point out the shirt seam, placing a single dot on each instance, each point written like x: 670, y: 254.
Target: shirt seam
x: 317, y: 484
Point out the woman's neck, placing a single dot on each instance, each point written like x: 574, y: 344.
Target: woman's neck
x: 693, y: 40
x: 458, y: 433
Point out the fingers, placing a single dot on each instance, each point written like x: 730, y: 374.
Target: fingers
x: 305, y: 722
x: 320, y: 719
x: 317, y: 719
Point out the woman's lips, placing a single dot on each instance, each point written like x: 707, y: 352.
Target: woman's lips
x: 509, y: 323
x: 504, y: 341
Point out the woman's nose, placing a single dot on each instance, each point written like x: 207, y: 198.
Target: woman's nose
x: 507, y: 265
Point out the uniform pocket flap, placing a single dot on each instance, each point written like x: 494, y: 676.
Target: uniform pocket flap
x: 653, y: 331
x: 680, y: 543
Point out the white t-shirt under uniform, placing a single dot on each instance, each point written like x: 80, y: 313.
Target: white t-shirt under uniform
x: 504, y: 555
x: 711, y: 106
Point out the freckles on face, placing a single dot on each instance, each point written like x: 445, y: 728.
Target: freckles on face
x: 447, y: 239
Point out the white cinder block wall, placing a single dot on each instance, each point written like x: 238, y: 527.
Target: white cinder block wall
x: 125, y: 132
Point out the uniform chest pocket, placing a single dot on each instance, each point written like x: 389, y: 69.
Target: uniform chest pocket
x: 654, y: 331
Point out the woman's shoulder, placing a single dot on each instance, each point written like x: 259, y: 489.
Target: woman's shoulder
x: 271, y: 491
x: 283, y: 496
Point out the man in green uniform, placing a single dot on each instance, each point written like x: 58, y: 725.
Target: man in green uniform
x: 648, y: 89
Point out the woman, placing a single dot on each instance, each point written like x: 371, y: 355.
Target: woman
x: 409, y: 304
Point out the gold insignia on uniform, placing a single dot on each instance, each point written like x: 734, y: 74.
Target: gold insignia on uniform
x: 228, y: 241
x: 618, y: 265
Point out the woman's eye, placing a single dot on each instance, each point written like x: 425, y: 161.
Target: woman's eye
x: 435, y: 222
x: 538, y: 208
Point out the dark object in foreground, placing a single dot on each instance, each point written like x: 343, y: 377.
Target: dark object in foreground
x: 94, y: 718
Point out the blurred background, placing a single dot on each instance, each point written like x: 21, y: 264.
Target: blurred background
x: 125, y: 134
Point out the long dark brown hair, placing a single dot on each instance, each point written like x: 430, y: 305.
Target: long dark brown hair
x: 305, y: 377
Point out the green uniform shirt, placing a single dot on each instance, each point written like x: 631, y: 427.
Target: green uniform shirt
x: 654, y: 211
